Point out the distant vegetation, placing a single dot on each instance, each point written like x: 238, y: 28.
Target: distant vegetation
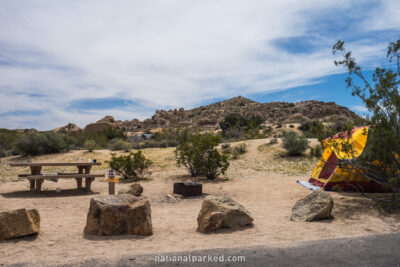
x: 32, y: 142
x: 35, y: 143
x: 236, y: 127
x: 167, y: 138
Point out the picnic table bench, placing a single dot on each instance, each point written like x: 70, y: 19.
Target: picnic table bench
x: 36, y: 178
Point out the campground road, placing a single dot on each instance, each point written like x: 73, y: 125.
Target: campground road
x: 378, y: 250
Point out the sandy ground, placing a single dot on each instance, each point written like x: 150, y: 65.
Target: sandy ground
x: 265, y: 191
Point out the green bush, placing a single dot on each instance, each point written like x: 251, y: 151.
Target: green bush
x: 35, y: 143
x: 273, y: 141
x: 294, y: 144
x: 120, y: 145
x: 132, y: 166
x: 316, y: 151
x: 198, y: 153
x: 90, y: 145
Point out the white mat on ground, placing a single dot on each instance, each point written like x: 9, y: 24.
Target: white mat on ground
x: 309, y: 186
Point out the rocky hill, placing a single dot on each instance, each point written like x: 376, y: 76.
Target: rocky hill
x: 210, y: 115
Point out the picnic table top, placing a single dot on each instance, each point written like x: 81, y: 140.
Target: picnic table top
x: 37, y: 164
x: 65, y: 176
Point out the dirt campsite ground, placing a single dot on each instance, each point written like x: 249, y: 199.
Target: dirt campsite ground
x: 261, y: 180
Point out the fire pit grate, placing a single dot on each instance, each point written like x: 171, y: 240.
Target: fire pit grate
x: 188, y: 189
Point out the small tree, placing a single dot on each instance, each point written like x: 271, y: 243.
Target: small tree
x: 294, y: 144
x: 380, y: 162
x: 198, y: 153
x: 90, y: 145
x: 132, y: 166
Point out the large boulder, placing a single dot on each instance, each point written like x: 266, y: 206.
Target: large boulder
x: 70, y: 128
x: 19, y: 223
x: 221, y: 212
x: 122, y: 214
x: 316, y: 206
x: 107, y: 122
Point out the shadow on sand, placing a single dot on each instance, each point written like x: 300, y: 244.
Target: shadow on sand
x: 199, y: 179
x: 223, y: 231
x: 48, y: 194
x: 29, y: 238
x: 115, y: 237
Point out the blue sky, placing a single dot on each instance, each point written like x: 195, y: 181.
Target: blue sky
x: 77, y: 61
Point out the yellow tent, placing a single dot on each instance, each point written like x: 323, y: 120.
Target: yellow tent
x: 329, y: 176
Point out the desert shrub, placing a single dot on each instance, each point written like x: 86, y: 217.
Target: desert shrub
x: 225, y: 146
x: 101, y: 138
x: 90, y: 145
x: 294, y: 144
x: 316, y: 151
x: 132, y: 166
x: 238, y: 150
x: 235, y: 125
x: 308, y: 125
x: 198, y: 153
x: 2, y: 148
x: 273, y: 141
x: 7, y: 139
x: 268, y: 129
x: 120, y: 145
x: 112, y: 133
x: 36, y: 143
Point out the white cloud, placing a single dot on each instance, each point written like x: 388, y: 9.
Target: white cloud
x: 360, y: 108
x: 159, y: 53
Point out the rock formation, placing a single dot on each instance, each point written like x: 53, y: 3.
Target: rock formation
x: 70, y: 128
x: 208, y: 117
x: 100, y: 125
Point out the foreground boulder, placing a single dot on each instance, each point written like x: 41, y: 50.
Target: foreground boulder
x: 122, y: 214
x: 221, y: 212
x: 19, y: 223
x: 316, y: 206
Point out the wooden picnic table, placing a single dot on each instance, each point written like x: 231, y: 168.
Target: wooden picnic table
x: 36, y: 178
